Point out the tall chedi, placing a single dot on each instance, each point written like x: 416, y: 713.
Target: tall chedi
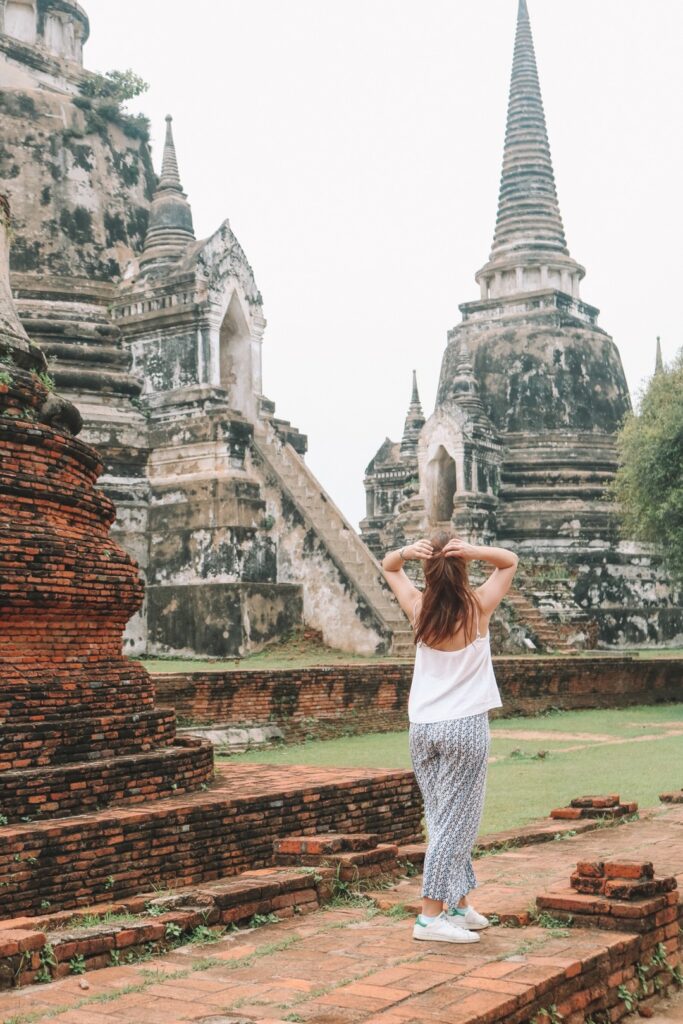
x: 521, y: 446
x: 552, y: 383
x: 549, y: 377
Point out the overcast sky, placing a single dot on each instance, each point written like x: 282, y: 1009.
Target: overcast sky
x: 355, y: 146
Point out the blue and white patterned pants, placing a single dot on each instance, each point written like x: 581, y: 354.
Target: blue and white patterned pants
x: 450, y: 761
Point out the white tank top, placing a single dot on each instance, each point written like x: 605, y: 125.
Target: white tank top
x: 453, y: 684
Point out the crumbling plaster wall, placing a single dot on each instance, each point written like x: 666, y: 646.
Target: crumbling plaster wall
x: 80, y: 194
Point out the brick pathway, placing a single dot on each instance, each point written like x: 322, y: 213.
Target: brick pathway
x: 510, y: 881
x: 671, y: 1011
x: 354, y: 966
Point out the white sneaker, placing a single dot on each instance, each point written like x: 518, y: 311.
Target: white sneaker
x: 443, y: 929
x: 470, y: 919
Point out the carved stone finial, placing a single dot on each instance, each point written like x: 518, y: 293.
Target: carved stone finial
x: 415, y: 421
x: 171, y: 228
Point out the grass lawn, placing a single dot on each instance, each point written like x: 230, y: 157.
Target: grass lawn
x: 308, y: 655
x: 522, y: 786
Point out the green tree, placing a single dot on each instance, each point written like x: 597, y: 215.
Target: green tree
x: 118, y: 86
x: 649, y: 482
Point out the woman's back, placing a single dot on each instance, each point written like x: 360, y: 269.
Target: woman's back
x: 453, y: 683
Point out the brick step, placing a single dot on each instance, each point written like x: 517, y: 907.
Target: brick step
x: 41, y: 744
x: 49, y: 948
x: 58, y: 790
x: 194, y: 838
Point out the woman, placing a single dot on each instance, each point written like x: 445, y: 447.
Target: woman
x: 453, y: 689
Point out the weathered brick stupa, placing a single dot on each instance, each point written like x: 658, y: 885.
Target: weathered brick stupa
x: 157, y: 337
x: 78, y: 725
x: 521, y: 444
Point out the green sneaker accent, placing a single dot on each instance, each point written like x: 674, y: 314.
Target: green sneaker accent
x: 457, y: 911
x: 422, y: 924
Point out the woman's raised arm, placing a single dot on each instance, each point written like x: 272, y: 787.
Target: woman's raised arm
x: 405, y: 590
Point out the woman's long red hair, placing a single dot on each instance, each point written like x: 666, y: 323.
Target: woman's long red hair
x: 448, y: 602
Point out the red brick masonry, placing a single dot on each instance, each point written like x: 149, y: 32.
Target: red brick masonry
x: 202, y: 836
x: 349, y: 699
x: 78, y: 725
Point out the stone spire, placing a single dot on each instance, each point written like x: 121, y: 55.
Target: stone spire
x: 529, y: 250
x: 659, y: 362
x: 415, y: 421
x: 170, y: 229
x: 170, y: 175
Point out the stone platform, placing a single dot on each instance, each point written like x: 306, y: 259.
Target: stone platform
x: 357, y: 964
x: 226, y: 828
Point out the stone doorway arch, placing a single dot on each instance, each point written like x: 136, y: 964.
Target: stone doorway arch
x: 235, y: 364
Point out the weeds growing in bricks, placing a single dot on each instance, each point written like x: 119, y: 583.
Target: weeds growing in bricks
x: 202, y: 934
x: 77, y: 964
x: 628, y: 998
x: 173, y: 931
x: 48, y: 962
x: 258, y: 920
x: 548, y: 1015
x: 489, y: 851
x: 546, y: 920
x: 659, y: 957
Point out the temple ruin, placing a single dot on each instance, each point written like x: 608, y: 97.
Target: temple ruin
x: 521, y: 446
x: 157, y: 338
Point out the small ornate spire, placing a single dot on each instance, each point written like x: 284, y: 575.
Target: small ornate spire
x: 659, y: 362
x: 171, y: 228
x: 170, y: 175
x: 464, y: 385
x: 415, y: 421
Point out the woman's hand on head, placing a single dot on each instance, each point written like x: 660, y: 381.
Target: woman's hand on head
x: 457, y: 548
x: 418, y: 551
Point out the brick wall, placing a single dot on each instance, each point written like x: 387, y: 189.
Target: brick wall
x: 339, y: 699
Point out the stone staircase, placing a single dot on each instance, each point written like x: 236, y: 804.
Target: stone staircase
x: 342, y: 542
x: 547, y: 635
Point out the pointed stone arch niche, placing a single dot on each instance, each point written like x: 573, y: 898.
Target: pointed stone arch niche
x: 441, y: 486
x: 235, y: 357
x: 20, y: 20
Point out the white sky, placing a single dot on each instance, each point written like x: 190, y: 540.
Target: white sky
x: 356, y: 146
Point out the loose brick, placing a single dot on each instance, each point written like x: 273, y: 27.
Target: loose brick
x: 629, y: 869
